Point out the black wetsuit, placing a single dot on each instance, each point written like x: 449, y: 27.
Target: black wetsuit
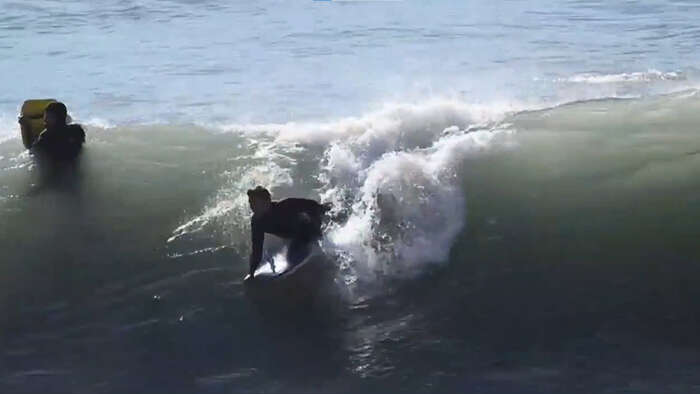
x: 297, y: 219
x: 62, y: 143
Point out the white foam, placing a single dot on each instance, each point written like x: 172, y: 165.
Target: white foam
x: 9, y: 128
x: 400, y: 123
x: 227, y: 212
x: 409, y: 206
x: 97, y: 122
x: 647, y: 76
x: 391, y: 175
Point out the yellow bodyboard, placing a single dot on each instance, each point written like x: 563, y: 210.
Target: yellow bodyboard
x: 33, y: 115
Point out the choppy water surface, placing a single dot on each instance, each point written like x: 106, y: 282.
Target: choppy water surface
x: 516, y: 187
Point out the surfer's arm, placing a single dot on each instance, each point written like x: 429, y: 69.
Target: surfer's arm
x: 39, y: 141
x: 257, y: 238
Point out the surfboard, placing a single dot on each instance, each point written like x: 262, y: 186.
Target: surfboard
x: 285, y: 261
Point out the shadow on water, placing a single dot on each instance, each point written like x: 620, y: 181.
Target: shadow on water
x: 63, y: 176
x: 45, y: 266
x: 210, y: 333
x: 177, y: 327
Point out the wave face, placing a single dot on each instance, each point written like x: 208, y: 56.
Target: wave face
x: 462, y: 235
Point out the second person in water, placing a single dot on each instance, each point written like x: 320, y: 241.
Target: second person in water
x: 59, y: 140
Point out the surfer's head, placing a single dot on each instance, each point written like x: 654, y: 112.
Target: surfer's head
x: 259, y: 199
x: 55, y: 115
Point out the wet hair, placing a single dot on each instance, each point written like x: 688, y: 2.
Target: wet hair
x: 59, y: 109
x: 260, y: 192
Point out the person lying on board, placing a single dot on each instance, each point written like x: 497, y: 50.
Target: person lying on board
x: 296, y: 219
x: 59, y: 140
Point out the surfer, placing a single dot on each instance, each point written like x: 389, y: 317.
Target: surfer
x: 59, y: 140
x: 296, y: 219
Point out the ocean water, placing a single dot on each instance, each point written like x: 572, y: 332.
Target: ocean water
x: 515, y: 190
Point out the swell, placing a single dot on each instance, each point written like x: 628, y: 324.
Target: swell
x: 395, y: 177
x: 454, y: 227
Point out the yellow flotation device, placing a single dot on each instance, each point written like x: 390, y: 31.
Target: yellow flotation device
x: 32, y: 119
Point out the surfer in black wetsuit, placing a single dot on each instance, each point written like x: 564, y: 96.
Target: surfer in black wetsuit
x: 59, y: 141
x: 296, y: 219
